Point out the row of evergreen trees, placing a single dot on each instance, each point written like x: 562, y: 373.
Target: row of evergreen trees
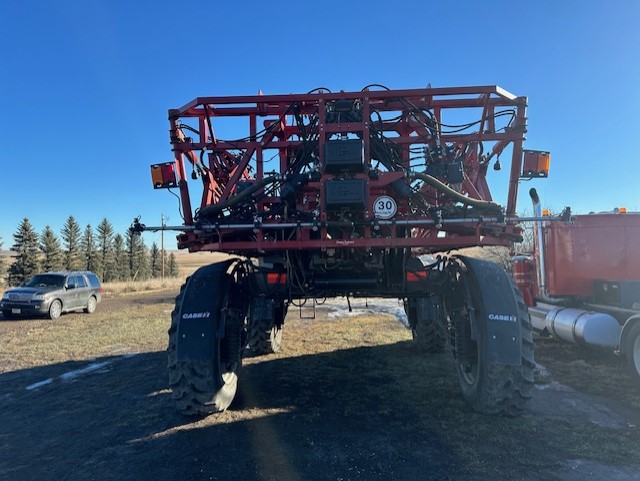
x: 112, y: 256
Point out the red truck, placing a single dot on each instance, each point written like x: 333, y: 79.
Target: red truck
x: 582, y: 282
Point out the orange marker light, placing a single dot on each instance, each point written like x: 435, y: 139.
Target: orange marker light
x: 535, y: 164
x: 163, y: 175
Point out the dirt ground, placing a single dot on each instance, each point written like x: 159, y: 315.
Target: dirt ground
x: 347, y: 398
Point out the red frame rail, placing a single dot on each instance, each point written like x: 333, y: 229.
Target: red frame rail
x: 405, y: 118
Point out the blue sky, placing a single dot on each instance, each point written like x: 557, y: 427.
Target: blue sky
x: 85, y: 87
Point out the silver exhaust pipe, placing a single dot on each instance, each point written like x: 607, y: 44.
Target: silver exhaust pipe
x: 540, y: 257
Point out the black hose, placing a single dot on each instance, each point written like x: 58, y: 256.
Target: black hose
x: 214, y: 209
x: 445, y: 189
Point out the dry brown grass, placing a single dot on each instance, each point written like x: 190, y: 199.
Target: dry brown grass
x: 360, y: 363
x: 187, y: 262
x: 499, y: 255
x: 110, y: 289
x: 134, y: 316
x: 117, y: 326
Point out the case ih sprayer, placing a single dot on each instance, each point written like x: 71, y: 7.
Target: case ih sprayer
x: 337, y: 194
x: 582, y: 282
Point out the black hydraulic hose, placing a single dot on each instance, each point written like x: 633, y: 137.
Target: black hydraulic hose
x: 214, y: 209
x: 445, y: 189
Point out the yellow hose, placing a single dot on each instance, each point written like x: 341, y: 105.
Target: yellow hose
x: 445, y: 189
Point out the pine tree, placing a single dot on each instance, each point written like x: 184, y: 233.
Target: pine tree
x: 51, y: 250
x: 155, y: 258
x: 2, y: 268
x: 26, y: 262
x: 120, y: 260
x: 132, y: 243
x: 105, y: 251
x: 137, y: 256
x: 172, y: 266
x: 89, y: 256
x: 143, y: 261
x: 71, y: 242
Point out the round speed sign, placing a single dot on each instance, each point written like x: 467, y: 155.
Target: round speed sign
x: 385, y: 207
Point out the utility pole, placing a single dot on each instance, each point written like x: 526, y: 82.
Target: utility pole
x: 162, y: 243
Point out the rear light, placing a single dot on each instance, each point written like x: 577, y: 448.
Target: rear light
x: 416, y: 276
x: 276, y: 278
x: 163, y: 176
x: 535, y: 164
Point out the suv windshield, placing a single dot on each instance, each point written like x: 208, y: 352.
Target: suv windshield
x: 45, y: 280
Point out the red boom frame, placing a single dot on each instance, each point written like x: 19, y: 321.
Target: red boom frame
x: 406, y: 121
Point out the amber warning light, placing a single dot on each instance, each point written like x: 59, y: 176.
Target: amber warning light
x: 163, y: 176
x: 535, y: 164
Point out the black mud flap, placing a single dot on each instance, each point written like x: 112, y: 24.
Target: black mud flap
x: 496, y: 312
x: 201, y: 323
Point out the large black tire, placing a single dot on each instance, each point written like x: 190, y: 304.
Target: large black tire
x: 265, y: 336
x: 429, y: 335
x: 497, y: 388
x: 632, y: 351
x: 55, y: 309
x: 196, y: 388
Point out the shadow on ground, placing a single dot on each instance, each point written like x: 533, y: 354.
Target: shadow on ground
x: 367, y: 413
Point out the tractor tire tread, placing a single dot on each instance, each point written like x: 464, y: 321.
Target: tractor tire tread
x: 509, y: 388
x: 265, y: 338
x: 194, y: 390
x: 502, y: 388
x: 429, y: 337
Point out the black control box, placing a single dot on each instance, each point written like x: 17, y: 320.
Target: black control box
x: 343, y: 156
x: 345, y: 194
x: 453, y: 172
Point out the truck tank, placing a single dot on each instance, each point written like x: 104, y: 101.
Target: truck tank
x: 582, y: 282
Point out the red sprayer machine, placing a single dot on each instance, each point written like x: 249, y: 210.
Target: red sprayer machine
x: 328, y: 194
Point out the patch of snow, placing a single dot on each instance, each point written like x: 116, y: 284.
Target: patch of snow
x: 339, y: 308
x: 402, y: 317
x: 553, y: 386
x: 542, y: 372
x: 70, y: 375
x: 36, y: 385
x: 85, y: 370
x: 427, y: 259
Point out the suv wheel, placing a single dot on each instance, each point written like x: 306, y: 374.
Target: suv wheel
x: 91, y: 305
x: 55, y: 309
